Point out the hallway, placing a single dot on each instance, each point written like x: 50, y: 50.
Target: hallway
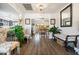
x: 45, y: 46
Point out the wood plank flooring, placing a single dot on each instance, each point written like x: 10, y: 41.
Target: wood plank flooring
x: 45, y: 47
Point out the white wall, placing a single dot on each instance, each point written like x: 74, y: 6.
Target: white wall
x: 75, y: 21
x: 37, y: 16
x: 40, y: 15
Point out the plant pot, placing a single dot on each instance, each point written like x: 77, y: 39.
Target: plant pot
x: 53, y: 35
x: 25, y: 40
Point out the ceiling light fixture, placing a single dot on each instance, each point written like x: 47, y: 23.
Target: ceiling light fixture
x: 41, y: 7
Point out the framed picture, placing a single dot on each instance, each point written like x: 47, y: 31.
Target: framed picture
x: 52, y: 21
x: 27, y: 21
x: 66, y: 16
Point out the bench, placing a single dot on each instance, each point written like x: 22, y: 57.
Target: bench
x: 60, y: 38
x: 65, y: 39
x: 68, y: 41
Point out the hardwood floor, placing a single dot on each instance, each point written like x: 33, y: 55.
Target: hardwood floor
x: 45, y: 46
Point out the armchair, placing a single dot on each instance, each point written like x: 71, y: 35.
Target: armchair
x: 71, y: 42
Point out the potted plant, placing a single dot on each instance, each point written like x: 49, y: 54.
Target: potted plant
x: 54, y: 30
x: 19, y: 33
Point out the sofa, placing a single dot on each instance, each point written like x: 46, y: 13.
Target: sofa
x: 7, y: 46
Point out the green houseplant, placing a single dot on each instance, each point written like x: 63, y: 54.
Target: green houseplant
x: 54, y: 30
x: 19, y: 33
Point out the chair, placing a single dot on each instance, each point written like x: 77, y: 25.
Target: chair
x: 77, y: 45
x: 71, y: 42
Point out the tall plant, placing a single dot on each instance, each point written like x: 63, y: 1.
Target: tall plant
x: 54, y: 30
x: 19, y: 33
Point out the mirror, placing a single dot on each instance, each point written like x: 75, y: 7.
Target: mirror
x: 66, y: 16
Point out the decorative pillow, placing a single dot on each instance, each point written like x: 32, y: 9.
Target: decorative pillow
x: 2, y: 37
x: 3, y: 32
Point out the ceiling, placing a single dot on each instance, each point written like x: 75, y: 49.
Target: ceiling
x: 51, y: 7
x: 7, y: 8
x: 30, y: 7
